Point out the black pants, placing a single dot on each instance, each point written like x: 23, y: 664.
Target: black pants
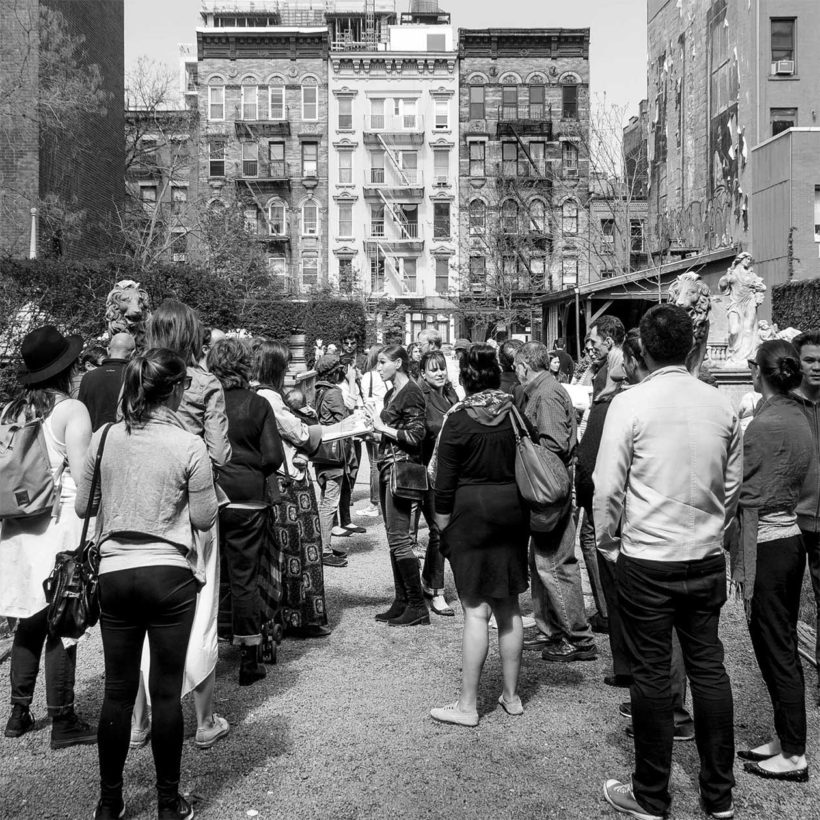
x: 158, y: 602
x: 433, y: 571
x: 811, y: 541
x: 241, y: 536
x: 657, y: 597
x: 773, y: 628
x: 31, y: 635
x: 349, y: 483
x: 617, y: 643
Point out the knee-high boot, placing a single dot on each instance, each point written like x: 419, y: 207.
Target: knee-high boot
x: 400, y: 600
x: 415, y: 612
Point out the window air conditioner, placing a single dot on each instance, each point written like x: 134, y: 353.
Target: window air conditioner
x: 441, y: 182
x: 571, y: 173
x: 784, y: 67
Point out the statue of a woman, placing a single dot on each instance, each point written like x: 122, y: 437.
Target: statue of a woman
x: 745, y: 291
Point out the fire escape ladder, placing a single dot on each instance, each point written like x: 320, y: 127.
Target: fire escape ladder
x: 394, y: 159
x: 375, y: 250
x: 526, y: 151
x: 370, y: 21
x: 258, y: 203
x: 398, y: 216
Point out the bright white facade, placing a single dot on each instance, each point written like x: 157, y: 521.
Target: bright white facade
x: 393, y: 170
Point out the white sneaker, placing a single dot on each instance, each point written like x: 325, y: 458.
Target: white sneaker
x: 452, y: 714
x: 205, y: 738
x: 370, y: 512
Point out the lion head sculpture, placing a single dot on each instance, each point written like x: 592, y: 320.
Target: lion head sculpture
x: 127, y: 309
x: 691, y: 293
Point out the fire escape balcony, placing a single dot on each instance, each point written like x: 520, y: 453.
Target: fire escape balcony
x: 263, y: 127
x: 405, y: 129
x: 395, y: 237
x: 524, y: 174
x: 268, y: 175
x: 407, y: 184
x: 529, y: 120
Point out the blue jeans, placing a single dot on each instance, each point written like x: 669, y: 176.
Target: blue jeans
x: 555, y: 579
x: 657, y: 597
x: 396, y: 513
x: 331, y: 487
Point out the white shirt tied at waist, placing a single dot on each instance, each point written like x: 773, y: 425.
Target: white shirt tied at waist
x: 669, y: 470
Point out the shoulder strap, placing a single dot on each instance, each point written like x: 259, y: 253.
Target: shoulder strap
x: 519, y: 427
x: 95, y: 480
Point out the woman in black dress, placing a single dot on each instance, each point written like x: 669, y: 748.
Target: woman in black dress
x: 484, y: 529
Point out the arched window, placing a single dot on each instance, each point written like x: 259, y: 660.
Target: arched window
x: 509, y: 217
x: 216, y: 99
x: 538, y: 216
x: 276, y: 99
x: 509, y: 99
x: 569, y: 98
x: 478, y: 217
x: 569, y: 218
x: 476, y: 100
x: 310, y: 218
x: 277, y: 218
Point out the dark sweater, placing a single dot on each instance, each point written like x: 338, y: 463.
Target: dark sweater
x: 808, y: 506
x: 100, y: 390
x: 436, y: 405
x: 405, y: 412
x: 587, y: 452
x: 256, y: 449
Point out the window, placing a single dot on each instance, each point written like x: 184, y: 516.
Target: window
x: 723, y: 85
x: 569, y: 100
x: 477, y: 150
x: 569, y: 270
x: 179, y: 198
x: 442, y: 114
x: 216, y: 159
x: 509, y: 102
x: 345, y: 219
x: 509, y: 159
x: 310, y: 218
x: 345, y: 167
x: 276, y: 158
x: 569, y: 157
x: 538, y: 271
x: 276, y: 102
x: 250, y: 102
x: 277, y: 226
x: 441, y: 166
x: 310, y: 159
x: 607, y: 273
x: 782, y: 39
x: 179, y: 246
x: 569, y: 218
x: 377, y: 113
x: 608, y: 234
x: 442, y: 275
x: 148, y: 197
x: 250, y: 217
x: 377, y: 271
x: 478, y: 217
x: 409, y: 164
x: 477, y: 274
x: 509, y: 217
x: 278, y: 272
x: 377, y: 220
x: 310, y: 102
x: 310, y: 271
x: 377, y: 167
x: 409, y: 267
x: 346, y: 278
x: 441, y: 220
x: 817, y: 213
x: 538, y: 216
x: 476, y: 102
x: 250, y: 159
x: 406, y: 110
x: 537, y: 96
x: 345, y: 113
x: 782, y: 119
x: 538, y: 155
x: 216, y: 102
x: 636, y: 235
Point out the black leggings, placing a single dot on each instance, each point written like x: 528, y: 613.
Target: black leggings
x: 159, y: 602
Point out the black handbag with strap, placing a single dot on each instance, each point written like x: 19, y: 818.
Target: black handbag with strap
x: 330, y: 453
x: 408, y: 479
x: 71, y: 588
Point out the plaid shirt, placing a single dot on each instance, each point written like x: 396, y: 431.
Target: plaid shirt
x: 549, y: 409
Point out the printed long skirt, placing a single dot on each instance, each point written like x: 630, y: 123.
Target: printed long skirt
x: 299, y: 590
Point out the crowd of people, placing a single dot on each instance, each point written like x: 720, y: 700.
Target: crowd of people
x: 228, y: 532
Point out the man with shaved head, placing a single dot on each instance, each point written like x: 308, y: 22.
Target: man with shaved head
x: 100, y: 388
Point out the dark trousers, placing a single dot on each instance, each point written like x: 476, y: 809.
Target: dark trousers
x: 241, y: 536
x: 31, y: 636
x: 773, y: 628
x: 811, y: 541
x: 158, y: 602
x: 396, y: 513
x: 432, y: 573
x: 349, y: 483
x: 657, y: 597
x: 617, y: 642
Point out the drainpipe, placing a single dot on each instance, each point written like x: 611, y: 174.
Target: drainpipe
x: 578, y: 324
x: 32, y: 247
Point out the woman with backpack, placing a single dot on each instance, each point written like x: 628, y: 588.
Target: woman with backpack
x: 148, y: 512
x: 29, y: 545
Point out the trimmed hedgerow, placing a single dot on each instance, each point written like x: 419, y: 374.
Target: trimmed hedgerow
x: 797, y: 304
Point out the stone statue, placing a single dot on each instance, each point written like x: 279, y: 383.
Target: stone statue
x: 766, y: 331
x: 127, y: 310
x: 691, y: 293
x: 745, y: 291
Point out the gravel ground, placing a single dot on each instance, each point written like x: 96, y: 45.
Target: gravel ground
x: 340, y: 729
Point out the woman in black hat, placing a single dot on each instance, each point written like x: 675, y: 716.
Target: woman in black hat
x: 28, y: 546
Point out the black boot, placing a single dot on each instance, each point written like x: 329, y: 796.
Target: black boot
x: 250, y: 669
x: 416, y: 612
x: 70, y: 730
x: 20, y: 721
x: 400, y: 601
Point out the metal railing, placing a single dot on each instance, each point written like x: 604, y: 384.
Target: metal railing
x: 407, y: 177
x: 397, y: 233
x: 534, y: 112
x: 391, y: 123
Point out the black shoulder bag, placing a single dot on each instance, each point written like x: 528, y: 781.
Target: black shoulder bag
x: 71, y: 589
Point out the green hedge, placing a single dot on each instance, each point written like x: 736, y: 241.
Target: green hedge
x: 797, y: 304
x: 72, y: 296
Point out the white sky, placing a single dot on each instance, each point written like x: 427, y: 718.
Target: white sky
x: 617, y: 38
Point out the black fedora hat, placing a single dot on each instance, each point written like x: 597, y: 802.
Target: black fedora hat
x: 46, y: 352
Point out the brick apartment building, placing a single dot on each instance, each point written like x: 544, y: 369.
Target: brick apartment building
x: 261, y: 81
x: 523, y: 161
x: 68, y: 173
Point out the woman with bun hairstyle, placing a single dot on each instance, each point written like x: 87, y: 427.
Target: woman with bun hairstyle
x: 769, y: 560
x: 484, y: 529
x: 148, y: 509
x: 400, y: 430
